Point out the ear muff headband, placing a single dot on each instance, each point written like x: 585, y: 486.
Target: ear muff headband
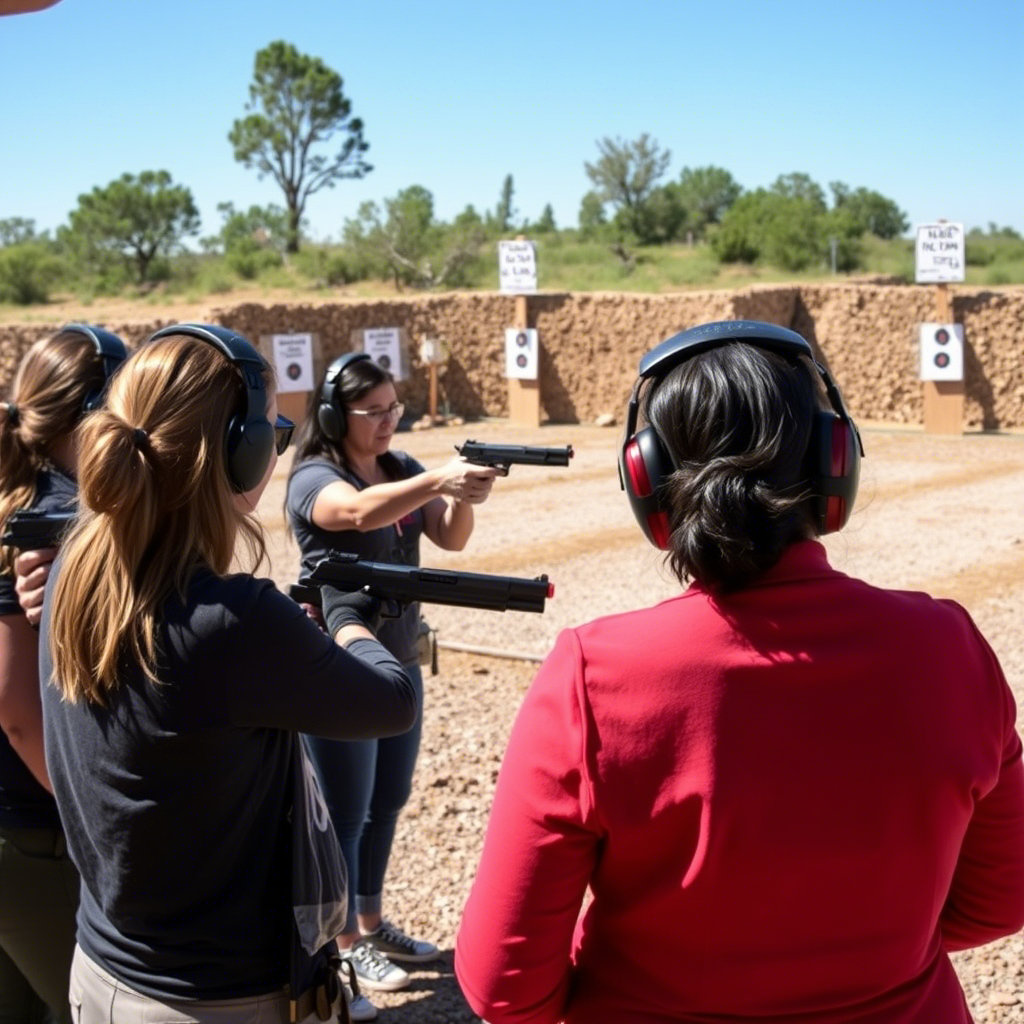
x: 249, y: 442
x: 111, y: 350
x: 330, y: 413
x: 834, y: 450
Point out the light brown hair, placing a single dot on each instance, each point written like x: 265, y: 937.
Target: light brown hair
x: 156, y: 505
x: 48, y: 392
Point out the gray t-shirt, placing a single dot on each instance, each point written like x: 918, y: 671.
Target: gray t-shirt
x: 398, y: 544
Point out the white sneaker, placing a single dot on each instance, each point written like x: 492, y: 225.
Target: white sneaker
x: 373, y: 970
x: 396, y: 945
x: 359, y: 1007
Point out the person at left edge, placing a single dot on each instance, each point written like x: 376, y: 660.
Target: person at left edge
x: 174, y: 691
x: 60, y: 379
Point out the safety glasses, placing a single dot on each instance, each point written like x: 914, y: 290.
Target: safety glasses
x: 393, y: 412
x: 283, y: 428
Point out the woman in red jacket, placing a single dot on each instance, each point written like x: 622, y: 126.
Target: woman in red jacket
x: 789, y: 793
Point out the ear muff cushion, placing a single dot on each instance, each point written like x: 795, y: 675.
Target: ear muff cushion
x: 249, y: 447
x: 833, y: 471
x: 111, y: 351
x: 333, y: 425
x: 645, y: 466
x: 330, y: 414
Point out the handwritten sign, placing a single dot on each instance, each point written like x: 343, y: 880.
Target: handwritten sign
x: 517, y: 267
x: 939, y: 253
x: 293, y: 361
x: 385, y: 347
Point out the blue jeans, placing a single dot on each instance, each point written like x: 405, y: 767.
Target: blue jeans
x: 365, y: 784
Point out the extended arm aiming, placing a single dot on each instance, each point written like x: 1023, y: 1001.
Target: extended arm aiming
x: 502, y: 456
x: 405, y: 584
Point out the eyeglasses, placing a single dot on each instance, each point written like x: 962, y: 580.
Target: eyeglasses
x: 283, y: 428
x: 393, y: 412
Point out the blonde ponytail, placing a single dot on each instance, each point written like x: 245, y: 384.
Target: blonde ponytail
x: 156, y: 505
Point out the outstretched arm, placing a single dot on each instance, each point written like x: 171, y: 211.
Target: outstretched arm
x: 340, y: 506
x: 513, y: 952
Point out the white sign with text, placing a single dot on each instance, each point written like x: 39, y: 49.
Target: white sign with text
x: 939, y: 254
x: 293, y: 361
x: 384, y: 344
x: 517, y: 267
x: 521, y: 353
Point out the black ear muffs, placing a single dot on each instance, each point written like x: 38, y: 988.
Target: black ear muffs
x: 330, y: 413
x: 112, y: 352
x: 833, y: 452
x: 250, y: 440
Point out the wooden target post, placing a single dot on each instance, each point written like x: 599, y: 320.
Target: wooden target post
x: 943, y: 399
x: 523, y: 395
x: 939, y: 257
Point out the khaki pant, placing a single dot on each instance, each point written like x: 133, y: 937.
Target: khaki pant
x: 99, y: 998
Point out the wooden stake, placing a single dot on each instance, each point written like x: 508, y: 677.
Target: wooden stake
x: 433, y: 392
x: 523, y: 395
x: 943, y: 399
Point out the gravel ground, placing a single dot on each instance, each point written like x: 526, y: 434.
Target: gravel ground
x: 941, y: 514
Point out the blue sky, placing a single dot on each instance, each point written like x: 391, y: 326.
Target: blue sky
x: 922, y: 101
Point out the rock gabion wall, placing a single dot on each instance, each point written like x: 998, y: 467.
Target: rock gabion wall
x: 591, y: 343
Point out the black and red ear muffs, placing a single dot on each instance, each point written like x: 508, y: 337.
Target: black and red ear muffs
x: 644, y: 466
x: 111, y: 351
x: 250, y: 439
x: 330, y: 413
x: 834, y: 450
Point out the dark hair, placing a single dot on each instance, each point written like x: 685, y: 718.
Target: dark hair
x: 358, y: 379
x: 736, y: 421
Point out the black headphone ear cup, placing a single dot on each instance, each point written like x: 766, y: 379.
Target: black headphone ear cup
x: 644, y: 468
x: 333, y: 425
x: 834, y: 470
x: 249, y: 448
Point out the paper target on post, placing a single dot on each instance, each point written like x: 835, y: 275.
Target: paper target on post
x: 521, y: 353
x: 942, y: 351
x: 293, y: 361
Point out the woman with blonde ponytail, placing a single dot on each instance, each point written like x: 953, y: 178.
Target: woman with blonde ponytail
x: 174, y: 691
x: 58, y: 380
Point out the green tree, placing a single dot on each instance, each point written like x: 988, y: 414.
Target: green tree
x: 546, y: 223
x: 626, y: 174
x: 15, y: 230
x: 28, y: 270
x: 505, y: 212
x: 705, y: 193
x: 254, y: 239
x: 870, y: 210
x: 787, y: 230
x: 662, y: 218
x: 296, y: 103
x: 134, y: 219
x: 406, y: 242
x: 799, y: 186
x: 592, y: 219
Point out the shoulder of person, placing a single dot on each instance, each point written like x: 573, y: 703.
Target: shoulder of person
x: 225, y: 601
x: 56, y: 491
x: 409, y: 465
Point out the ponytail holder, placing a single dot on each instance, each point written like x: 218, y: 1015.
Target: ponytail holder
x: 13, y: 416
x: 140, y: 437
